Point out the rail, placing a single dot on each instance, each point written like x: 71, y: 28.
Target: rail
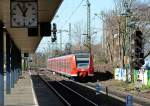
x: 63, y: 91
x: 55, y: 91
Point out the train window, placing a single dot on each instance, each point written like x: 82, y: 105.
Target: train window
x: 83, y: 64
x: 82, y: 56
x: 82, y: 60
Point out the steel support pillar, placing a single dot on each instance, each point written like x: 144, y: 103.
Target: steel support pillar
x: 15, y: 75
x: 8, y: 72
x: 15, y: 63
x: 24, y: 64
x: 12, y: 64
x: 20, y: 63
x: 1, y: 65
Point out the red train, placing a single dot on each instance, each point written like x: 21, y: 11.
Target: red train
x: 78, y: 65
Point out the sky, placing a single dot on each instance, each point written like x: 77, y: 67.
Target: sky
x: 75, y: 11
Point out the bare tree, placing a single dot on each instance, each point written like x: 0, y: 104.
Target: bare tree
x: 121, y: 24
x: 77, y: 34
x: 112, y: 24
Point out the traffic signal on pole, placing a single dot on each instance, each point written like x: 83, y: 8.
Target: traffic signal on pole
x: 26, y: 54
x: 54, y: 38
x: 137, y: 49
x: 138, y: 63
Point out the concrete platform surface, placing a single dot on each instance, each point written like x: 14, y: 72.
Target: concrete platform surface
x: 22, y: 94
x: 30, y: 91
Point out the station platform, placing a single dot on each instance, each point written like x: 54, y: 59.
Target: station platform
x: 22, y: 94
x: 29, y: 91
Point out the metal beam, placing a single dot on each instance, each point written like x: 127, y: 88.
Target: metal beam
x: 12, y: 64
x: 1, y: 65
x: 8, y: 72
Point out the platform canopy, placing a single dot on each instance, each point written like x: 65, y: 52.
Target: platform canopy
x: 28, y: 44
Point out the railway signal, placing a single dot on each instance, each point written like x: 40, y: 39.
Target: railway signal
x: 137, y: 49
x: 54, y: 38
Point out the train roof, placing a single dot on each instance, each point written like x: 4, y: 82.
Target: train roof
x: 77, y: 53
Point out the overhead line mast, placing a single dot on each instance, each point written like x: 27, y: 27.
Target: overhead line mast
x: 88, y: 26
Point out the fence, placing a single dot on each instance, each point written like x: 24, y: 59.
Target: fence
x: 141, y: 74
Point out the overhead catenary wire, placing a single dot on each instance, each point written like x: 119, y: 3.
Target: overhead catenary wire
x: 73, y: 12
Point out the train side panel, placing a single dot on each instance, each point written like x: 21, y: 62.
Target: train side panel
x: 64, y: 65
x: 73, y: 71
x: 69, y: 65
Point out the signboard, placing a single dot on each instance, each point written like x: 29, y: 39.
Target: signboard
x: 129, y: 100
x: 98, y: 88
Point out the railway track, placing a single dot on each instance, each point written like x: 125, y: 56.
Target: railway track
x: 101, y: 99
x: 112, y: 98
x: 89, y: 94
x: 69, y: 96
x: 137, y: 101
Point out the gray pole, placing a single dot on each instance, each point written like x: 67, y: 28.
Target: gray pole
x: 56, y: 44
x: 61, y: 40
x: 70, y: 40
x: 52, y: 49
x: 70, y: 33
x: 127, y: 32
x: 102, y: 14
x: 1, y: 65
x: 88, y: 27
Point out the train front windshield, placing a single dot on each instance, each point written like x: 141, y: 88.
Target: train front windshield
x: 82, y: 60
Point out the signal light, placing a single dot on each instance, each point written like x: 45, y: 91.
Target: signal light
x: 26, y: 54
x: 141, y: 61
x: 54, y: 38
x: 137, y: 49
x: 139, y: 64
x: 54, y: 28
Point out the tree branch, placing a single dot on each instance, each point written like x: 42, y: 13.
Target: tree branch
x: 147, y: 54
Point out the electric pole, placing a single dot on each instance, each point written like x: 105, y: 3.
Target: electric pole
x: 88, y: 27
x: 61, y: 41
x: 61, y: 31
x: 70, y: 38
x: 129, y: 28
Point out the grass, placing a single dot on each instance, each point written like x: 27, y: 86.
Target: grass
x: 127, y: 87
x: 145, y: 88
